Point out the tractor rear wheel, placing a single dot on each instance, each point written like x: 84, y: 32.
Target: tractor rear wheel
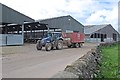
x: 59, y: 45
x: 38, y: 45
x: 48, y: 46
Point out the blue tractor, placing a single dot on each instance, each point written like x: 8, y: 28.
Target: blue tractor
x: 50, y: 41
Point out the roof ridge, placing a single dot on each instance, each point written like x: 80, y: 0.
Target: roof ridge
x: 98, y: 25
x: 53, y: 18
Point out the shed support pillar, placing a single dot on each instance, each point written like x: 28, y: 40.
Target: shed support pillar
x: 23, y: 33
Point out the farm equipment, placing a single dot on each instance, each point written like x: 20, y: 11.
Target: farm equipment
x: 50, y: 41
x: 75, y: 39
x: 59, y: 39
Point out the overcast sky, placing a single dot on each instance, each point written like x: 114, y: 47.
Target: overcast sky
x: 86, y: 12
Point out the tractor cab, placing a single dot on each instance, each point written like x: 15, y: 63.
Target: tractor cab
x: 52, y: 35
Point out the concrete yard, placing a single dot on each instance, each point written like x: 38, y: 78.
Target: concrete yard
x: 27, y: 62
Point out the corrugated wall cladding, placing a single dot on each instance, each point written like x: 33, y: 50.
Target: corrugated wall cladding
x: 64, y: 23
x: 11, y: 39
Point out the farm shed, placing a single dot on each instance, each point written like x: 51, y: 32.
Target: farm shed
x: 65, y: 23
x: 34, y: 31
x: 9, y: 20
x: 100, y: 33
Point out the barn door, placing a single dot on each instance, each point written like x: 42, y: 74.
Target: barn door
x: 102, y: 38
x: 114, y: 37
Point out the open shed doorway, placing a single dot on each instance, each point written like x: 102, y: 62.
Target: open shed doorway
x: 114, y: 37
x: 102, y: 38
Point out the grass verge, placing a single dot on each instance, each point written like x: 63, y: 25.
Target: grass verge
x: 109, y: 67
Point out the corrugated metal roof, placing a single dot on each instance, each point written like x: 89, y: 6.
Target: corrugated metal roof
x: 93, y: 28
x: 9, y: 16
x: 58, y: 18
x: 64, y: 23
x: 53, y: 18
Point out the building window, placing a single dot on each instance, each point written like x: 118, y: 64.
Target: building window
x: 95, y: 35
x: 91, y: 36
x: 105, y: 36
x: 98, y: 35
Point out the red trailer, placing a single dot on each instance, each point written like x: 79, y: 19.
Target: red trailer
x: 75, y: 39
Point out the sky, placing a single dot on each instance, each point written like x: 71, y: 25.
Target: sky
x: 87, y: 12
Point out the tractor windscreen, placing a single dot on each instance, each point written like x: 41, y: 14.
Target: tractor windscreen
x: 47, y: 35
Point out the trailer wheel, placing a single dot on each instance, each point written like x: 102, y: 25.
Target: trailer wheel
x: 80, y: 45
x: 38, y: 45
x: 48, y: 46
x: 76, y: 45
x: 69, y: 46
x: 59, y: 45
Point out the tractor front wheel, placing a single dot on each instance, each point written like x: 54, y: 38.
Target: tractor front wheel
x: 38, y: 45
